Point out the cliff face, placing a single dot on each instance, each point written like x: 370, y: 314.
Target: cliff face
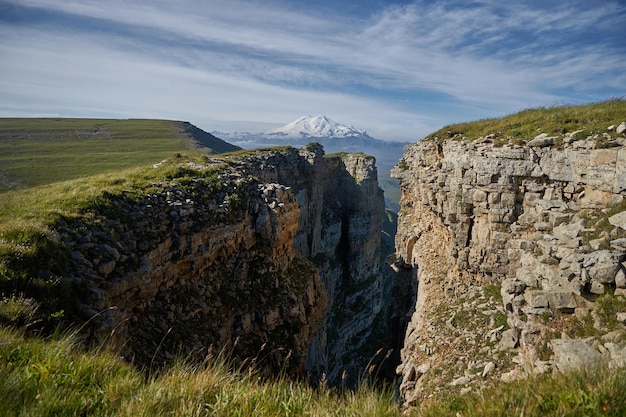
x: 516, y: 258
x: 248, y: 260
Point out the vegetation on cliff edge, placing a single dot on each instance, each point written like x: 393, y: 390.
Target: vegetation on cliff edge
x: 587, y: 120
x: 55, y: 376
x: 29, y: 244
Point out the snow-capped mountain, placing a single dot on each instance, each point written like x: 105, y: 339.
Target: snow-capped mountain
x: 335, y: 137
x: 315, y: 127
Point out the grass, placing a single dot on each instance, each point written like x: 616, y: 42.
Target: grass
x: 55, y: 376
x: 525, y: 125
x: 43, y: 151
x: 29, y: 218
x: 598, y: 392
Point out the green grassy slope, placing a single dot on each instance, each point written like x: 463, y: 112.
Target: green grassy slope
x: 56, y: 377
x: 524, y: 126
x: 43, y: 151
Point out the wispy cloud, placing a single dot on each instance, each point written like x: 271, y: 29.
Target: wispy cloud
x: 267, y: 62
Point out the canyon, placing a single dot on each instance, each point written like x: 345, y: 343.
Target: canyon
x: 273, y: 256
x: 509, y: 261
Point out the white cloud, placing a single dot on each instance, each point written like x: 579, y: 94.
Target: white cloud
x: 260, y: 61
x: 79, y: 77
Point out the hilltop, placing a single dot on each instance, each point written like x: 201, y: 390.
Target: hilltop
x: 42, y: 151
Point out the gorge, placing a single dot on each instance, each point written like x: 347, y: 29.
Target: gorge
x: 510, y: 261
x: 274, y: 255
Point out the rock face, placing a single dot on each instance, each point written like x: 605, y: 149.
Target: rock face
x: 515, y: 249
x: 252, y: 257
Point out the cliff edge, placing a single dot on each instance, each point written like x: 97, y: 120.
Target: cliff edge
x: 251, y: 252
x: 516, y: 252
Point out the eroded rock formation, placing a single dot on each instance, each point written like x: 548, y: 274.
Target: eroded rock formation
x: 253, y: 259
x: 519, y: 264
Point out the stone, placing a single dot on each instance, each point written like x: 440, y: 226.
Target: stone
x: 621, y: 128
x: 464, y: 380
x: 619, y: 220
x: 509, y: 340
x: 619, y: 244
x: 596, y: 287
x: 112, y: 251
x: 596, y: 244
x: 562, y: 301
x: 106, y: 268
x: 620, y: 278
x: 602, y: 266
x: 568, y: 231
x: 618, y: 354
x: 488, y: 368
x: 614, y: 336
x: 574, y: 354
x: 513, y: 375
x: 542, y: 140
x: 536, y: 298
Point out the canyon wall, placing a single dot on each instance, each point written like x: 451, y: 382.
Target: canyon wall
x: 517, y: 254
x: 253, y: 253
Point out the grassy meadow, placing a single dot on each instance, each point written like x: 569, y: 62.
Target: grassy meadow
x: 42, y: 151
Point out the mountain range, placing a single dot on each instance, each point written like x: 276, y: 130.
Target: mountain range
x: 335, y: 137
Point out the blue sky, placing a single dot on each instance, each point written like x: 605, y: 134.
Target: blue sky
x: 398, y: 69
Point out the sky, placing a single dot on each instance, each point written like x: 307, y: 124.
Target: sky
x: 399, y: 69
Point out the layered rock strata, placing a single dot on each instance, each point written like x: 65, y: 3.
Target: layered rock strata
x: 520, y: 258
x: 248, y: 253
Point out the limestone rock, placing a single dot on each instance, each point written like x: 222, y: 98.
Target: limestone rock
x: 619, y: 220
x: 520, y: 217
x: 488, y: 368
x: 509, y: 340
x: 570, y: 355
x: 249, y: 257
x: 560, y: 300
x: 542, y: 140
x: 602, y: 265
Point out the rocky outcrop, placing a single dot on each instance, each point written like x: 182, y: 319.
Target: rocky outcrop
x: 249, y: 253
x: 518, y: 248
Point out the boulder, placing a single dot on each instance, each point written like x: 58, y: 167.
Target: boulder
x: 536, y: 298
x: 602, y: 266
x: 570, y: 355
x: 488, y: 368
x: 509, y: 340
x: 542, y: 140
x: 618, y: 354
x: 562, y: 301
x: 619, y: 220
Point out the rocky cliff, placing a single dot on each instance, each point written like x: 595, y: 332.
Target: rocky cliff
x: 516, y: 253
x: 252, y: 252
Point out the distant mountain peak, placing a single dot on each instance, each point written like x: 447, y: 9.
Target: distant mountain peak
x: 316, y: 127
